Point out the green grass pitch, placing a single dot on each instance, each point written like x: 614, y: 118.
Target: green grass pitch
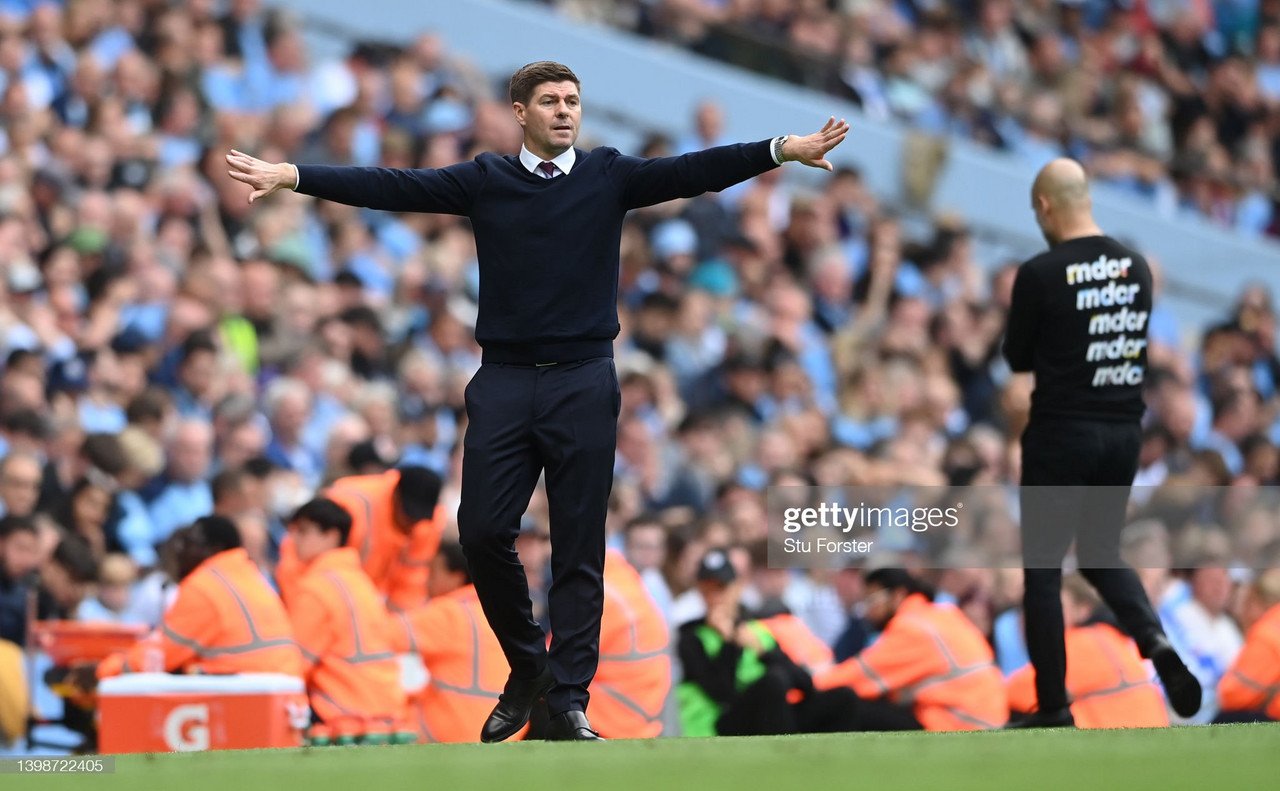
x: 1219, y: 757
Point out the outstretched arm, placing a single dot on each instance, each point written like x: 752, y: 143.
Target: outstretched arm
x: 645, y: 182
x: 448, y: 190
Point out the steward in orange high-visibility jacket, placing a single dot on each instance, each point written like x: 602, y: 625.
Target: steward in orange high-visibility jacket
x: 930, y: 664
x: 341, y: 623
x: 224, y: 619
x: 798, y: 641
x: 461, y: 653
x: 1107, y: 682
x: 1251, y: 687
x: 396, y: 523
x: 634, y: 676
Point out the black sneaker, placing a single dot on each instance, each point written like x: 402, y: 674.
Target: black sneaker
x: 1180, y: 685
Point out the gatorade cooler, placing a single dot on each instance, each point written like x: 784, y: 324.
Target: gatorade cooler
x: 158, y: 712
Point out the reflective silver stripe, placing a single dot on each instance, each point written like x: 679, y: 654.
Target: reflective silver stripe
x: 366, y: 545
x: 244, y: 608
x: 955, y: 670
x: 248, y: 647
x: 1115, y: 689
x: 255, y: 640
x: 633, y: 640
x: 872, y: 675
x: 964, y: 716
x: 475, y: 690
x: 408, y: 629
x: 208, y: 651
x: 472, y: 692
x: 426, y: 729
x: 359, y: 657
x: 1269, y: 691
x: 633, y: 656
x: 1124, y: 685
x: 908, y: 693
x: 179, y: 639
x: 627, y: 702
x: 325, y: 696
x: 307, y: 655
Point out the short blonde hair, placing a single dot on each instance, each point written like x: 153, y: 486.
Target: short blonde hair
x: 1266, y: 586
x: 117, y: 569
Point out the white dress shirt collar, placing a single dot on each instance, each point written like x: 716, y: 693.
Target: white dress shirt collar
x: 531, y: 161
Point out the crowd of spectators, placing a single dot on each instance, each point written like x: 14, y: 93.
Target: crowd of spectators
x: 169, y: 350
x: 1174, y: 100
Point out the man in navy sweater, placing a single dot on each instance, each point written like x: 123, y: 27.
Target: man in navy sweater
x: 547, y: 225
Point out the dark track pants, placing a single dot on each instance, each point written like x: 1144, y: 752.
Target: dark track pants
x: 1102, y: 456
x: 523, y: 420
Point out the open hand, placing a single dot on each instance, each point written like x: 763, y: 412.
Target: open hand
x: 812, y: 149
x: 264, y: 177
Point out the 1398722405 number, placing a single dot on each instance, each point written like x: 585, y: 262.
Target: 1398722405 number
x: 80, y: 764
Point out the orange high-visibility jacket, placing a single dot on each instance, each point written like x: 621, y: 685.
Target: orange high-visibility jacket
x: 1106, y: 679
x: 225, y: 619
x: 930, y: 656
x: 467, y: 667
x: 1253, y: 682
x: 397, y: 563
x: 634, y: 675
x: 345, y: 635
x: 798, y: 642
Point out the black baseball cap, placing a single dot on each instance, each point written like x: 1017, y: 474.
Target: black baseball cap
x: 418, y: 492
x: 715, y: 566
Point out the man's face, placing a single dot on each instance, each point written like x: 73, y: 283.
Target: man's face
x: 647, y: 547
x: 310, y: 541
x: 198, y: 372
x: 551, y: 118
x: 440, y: 580
x: 189, y: 456
x: 64, y: 589
x: 20, y: 486
x: 714, y: 593
x: 20, y: 554
x: 881, y: 604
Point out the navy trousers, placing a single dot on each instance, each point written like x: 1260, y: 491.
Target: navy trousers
x: 524, y: 420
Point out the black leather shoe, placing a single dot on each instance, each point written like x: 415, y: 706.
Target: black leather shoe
x: 571, y: 726
x: 1057, y: 718
x: 1180, y: 685
x: 514, y: 706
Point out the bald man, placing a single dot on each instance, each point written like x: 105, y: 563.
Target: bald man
x: 1078, y: 322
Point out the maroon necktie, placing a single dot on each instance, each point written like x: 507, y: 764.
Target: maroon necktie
x: 549, y: 168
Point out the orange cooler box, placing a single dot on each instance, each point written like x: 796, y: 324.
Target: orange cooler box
x: 158, y: 712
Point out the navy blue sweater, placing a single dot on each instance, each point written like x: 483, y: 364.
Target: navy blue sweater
x: 548, y: 248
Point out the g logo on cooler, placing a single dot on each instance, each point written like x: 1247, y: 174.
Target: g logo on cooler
x: 186, y: 729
